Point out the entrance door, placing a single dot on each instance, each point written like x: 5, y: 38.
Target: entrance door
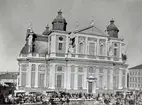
x: 90, y: 87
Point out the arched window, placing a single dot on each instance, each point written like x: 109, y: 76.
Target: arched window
x: 101, y: 49
x: 115, y: 51
x: 59, y: 76
x: 24, y: 75
x: 91, y: 48
x: 72, y: 77
x: 41, y: 75
x: 81, y: 48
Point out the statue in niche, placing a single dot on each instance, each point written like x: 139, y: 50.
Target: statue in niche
x: 30, y: 43
x: 110, y: 49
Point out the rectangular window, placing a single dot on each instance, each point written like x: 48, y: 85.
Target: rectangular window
x: 80, y: 81
x: 60, y: 46
x: 59, y: 68
x: 72, y: 81
x: 24, y: 67
x: 41, y: 80
x: 108, y: 81
x: 101, y: 82
x: 101, y: 70
x: 81, y: 48
x: 23, y: 79
x: 72, y: 69
x: 91, y: 48
x: 80, y: 69
x: 123, y: 81
x: 101, y: 50
x: 59, y: 81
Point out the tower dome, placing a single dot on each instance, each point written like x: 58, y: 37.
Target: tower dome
x: 112, y: 29
x: 59, y: 23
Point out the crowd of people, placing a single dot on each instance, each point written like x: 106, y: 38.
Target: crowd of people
x: 64, y: 98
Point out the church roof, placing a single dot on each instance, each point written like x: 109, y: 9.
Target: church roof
x: 47, y: 31
x: 137, y: 67
x: 59, y: 18
x: 24, y: 49
x: 92, y: 30
x: 112, y: 26
x: 9, y: 75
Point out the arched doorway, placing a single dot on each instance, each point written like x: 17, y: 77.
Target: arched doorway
x: 91, y: 84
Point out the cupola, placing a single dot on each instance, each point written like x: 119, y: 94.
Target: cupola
x: 59, y: 23
x: 112, y: 29
x: 46, y: 32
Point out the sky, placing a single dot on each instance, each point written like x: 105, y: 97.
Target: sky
x: 15, y: 17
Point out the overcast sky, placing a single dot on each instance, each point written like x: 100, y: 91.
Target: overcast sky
x: 16, y: 14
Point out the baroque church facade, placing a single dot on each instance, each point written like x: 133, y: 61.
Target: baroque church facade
x: 82, y: 60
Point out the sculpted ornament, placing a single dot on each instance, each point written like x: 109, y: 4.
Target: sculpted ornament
x: 81, y: 39
x: 30, y: 41
x: 110, y: 49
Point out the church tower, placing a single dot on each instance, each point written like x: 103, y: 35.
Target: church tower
x: 112, y: 30
x: 59, y: 23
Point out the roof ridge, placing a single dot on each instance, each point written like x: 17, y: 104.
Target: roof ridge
x: 137, y: 67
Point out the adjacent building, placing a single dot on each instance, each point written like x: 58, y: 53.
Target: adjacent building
x: 135, y: 77
x: 85, y: 59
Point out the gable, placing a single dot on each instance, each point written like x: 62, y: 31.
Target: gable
x: 92, y: 30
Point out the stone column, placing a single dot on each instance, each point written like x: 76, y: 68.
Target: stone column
x: 97, y: 76
x: 67, y: 45
x: 85, y: 78
x: 105, y: 78
x: 65, y: 75
x: 76, y: 78
x: 20, y: 74
x: 126, y: 71
x: 98, y: 47
x: 94, y: 87
x: 68, y: 73
x: 47, y: 75
x: 120, y: 79
x: 36, y: 75
x: 86, y: 47
x: 29, y: 75
x: 120, y: 50
x: 111, y: 79
x: 52, y: 76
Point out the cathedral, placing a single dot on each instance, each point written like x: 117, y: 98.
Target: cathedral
x: 83, y: 60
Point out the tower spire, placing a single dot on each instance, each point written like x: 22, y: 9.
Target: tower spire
x: 77, y: 25
x: 92, y: 21
x: 30, y: 27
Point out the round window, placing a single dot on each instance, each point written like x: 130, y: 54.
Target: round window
x: 60, y: 38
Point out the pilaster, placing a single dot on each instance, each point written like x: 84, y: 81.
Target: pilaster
x: 97, y: 76
x: 68, y: 81
x: 86, y: 46
x: 29, y: 76
x: 126, y: 71
x: 20, y: 73
x: 98, y: 46
x: 111, y: 79
x: 65, y: 76
x: 105, y: 78
x: 76, y: 78
x: 53, y: 45
x: 120, y: 79
x: 52, y: 76
x: 36, y: 75
x: 85, y: 78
